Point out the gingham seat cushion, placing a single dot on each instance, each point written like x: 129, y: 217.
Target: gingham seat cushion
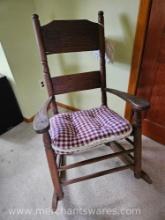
x: 82, y: 130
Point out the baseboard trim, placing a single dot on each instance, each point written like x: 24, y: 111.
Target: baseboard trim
x: 28, y: 120
x: 59, y: 104
x: 68, y: 107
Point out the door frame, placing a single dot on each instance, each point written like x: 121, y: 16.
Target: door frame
x: 141, y: 29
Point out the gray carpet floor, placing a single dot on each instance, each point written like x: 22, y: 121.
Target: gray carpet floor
x: 26, y: 188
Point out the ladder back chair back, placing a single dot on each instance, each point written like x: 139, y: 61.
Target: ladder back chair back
x: 63, y: 36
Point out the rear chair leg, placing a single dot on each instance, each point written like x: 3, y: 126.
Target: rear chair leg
x: 51, y: 157
x: 138, y: 144
x: 63, y: 163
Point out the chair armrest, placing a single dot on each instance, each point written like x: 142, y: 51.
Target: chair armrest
x: 41, y: 120
x: 136, y: 102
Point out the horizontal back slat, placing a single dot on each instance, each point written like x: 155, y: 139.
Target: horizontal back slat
x: 76, y: 82
x: 62, y: 36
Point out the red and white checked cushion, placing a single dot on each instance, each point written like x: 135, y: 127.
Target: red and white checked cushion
x: 81, y: 130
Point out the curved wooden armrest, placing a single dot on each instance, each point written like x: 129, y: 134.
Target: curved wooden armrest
x: 41, y: 120
x: 136, y: 102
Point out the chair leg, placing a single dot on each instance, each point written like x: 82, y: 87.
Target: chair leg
x: 138, y: 144
x: 63, y: 163
x: 51, y: 158
x: 54, y: 201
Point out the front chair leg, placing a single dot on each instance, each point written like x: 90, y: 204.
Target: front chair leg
x: 51, y: 157
x: 137, y: 120
x: 55, y: 200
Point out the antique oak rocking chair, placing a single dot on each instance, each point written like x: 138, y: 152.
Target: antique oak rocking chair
x: 75, y: 132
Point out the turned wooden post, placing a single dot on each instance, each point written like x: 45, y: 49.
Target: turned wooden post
x: 102, y: 57
x: 137, y: 122
x: 44, y: 62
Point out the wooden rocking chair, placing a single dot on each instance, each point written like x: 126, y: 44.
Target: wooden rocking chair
x: 69, y: 133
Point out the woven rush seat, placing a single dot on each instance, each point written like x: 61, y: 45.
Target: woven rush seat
x: 82, y: 130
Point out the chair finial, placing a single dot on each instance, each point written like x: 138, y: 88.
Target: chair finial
x: 35, y: 16
x: 100, y: 13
